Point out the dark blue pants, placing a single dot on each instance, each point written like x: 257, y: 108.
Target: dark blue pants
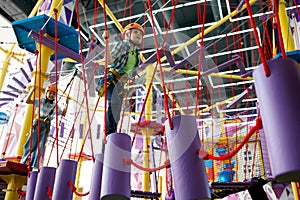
x: 44, y: 131
x: 114, y: 100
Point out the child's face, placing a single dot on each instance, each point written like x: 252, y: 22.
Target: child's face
x: 136, y: 36
x: 50, y: 95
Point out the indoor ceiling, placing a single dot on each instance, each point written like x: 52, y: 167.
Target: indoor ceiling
x: 233, y: 37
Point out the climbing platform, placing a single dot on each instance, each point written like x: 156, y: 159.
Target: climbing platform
x: 9, y: 167
x: 67, y: 36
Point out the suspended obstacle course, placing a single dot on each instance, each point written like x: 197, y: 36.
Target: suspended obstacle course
x: 212, y: 115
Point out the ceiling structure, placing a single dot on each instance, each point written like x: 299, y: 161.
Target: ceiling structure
x: 232, y: 38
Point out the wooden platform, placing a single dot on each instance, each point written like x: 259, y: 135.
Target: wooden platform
x: 9, y: 167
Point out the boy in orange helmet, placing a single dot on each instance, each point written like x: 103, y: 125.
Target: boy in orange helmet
x: 123, y: 60
x: 41, y: 124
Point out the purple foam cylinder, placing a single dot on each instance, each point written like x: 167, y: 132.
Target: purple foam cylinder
x: 66, y: 173
x: 188, y: 170
x: 279, y: 102
x: 265, y: 154
x: 45, y: 179
x: 95, y: 188
x: 31, y: 184
x: 116, y: 174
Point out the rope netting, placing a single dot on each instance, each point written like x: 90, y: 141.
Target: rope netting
x: 175, y: 82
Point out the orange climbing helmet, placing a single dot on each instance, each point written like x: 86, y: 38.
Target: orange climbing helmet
x: 133, y: 26
x: 51, y: 88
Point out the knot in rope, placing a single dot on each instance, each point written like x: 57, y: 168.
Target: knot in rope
x: 259, y: 123
x: 20, y: 191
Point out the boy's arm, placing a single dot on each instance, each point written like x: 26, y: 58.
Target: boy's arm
x: 108, y: 55
x: 28, y: 99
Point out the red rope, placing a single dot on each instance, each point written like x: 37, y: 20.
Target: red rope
x: 262, y: 56
x: 142, y: 111
x: 72, y: 130
x: 21, y: 192
x: 56, y: 80
x: 49, y: 192
x: 77, y: 114
x: 84, y: 83
x: 297, y: 9
x: 124, y: 13
x: 253, y: 130
x: 129, y: 161
x: 130, y: 11
x: 198, y: 83
x: 39, y: 95
x: 158, y: 53
x: 96, y: 4
x: 9, y: 133
x: 105, y: 69
x: 33, y: 109
x: 74, y: 190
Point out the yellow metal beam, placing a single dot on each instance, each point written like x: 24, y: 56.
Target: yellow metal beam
x: 286, y: 32
x: 44, y: 57
x: 192, y: 72
x: 111, y: 15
